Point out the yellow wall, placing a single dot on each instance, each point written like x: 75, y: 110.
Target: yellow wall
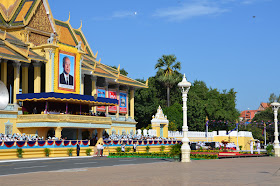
x: 39, y: 152
x: 156, y: 127
x: 62, y: 152
x: 242, y: 141
x: 5, y: 120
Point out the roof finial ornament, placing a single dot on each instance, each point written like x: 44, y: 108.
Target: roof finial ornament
x: 119, y: 67
x: 81, y: 26
x: 68, y: 21
x: 147, y: 82
x: 96, y: 55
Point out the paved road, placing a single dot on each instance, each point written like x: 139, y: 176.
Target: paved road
x: 19, y: 167
x: 240, y: 171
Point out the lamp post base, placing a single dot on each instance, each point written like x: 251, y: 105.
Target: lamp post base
x: 277, y: 150
x: 186, y: 151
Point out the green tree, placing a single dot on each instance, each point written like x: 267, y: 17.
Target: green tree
x: 273, y: 98
x: 174, y: 114
x: 168, y: 72
x: 147, y: 102
x: 122, y: 70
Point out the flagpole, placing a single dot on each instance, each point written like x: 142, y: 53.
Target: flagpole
x: 264, y: 134
x: 207, y: 128
x: 237, y: 145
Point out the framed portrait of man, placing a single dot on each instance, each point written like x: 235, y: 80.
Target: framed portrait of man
x: 66, y: 71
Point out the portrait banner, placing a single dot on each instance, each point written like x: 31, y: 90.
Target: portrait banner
x: 66, y: 71
x: 112, y: 95
x: 123, y: 102
x: 101, y: 92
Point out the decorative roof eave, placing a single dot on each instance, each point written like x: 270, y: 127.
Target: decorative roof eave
x: 32, y: 13
x: 111, y: 68
x: 102, y: 75
x: 13, y: 47
x: 85, y: 40
x: 111, y: 73
x: 71, y: 29
x: 27, y: 17
x: 133, y: 82
x: 45, y: 46
x: 8, y: 18
x: 12, y: 59
x: 49, y: 13
x: 88, y: 65
x: 136, y: 85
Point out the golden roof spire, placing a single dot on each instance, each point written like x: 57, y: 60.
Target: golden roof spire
x: 80, y: 28
x: 95, y: 56
x: 68, y: 21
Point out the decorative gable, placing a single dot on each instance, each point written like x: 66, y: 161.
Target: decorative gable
x: 40, y: 20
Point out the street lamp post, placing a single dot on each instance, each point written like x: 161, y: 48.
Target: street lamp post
x: 185, y: 87
x: 275, y: 107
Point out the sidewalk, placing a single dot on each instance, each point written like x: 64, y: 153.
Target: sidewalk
x: 251, y: 171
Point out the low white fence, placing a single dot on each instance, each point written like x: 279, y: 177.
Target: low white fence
x: 196, y: 134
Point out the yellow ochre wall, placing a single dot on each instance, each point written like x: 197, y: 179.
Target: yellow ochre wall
x: 62, y: 152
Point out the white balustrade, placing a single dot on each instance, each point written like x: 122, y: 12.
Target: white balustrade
x: 196, y: 134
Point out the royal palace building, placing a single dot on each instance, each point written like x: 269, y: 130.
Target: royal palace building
x: 57, y: 86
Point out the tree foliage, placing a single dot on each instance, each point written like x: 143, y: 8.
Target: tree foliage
x: 273, y: 98
x: 167, y: 73
x: 202, y: 102
x: 122, y: 70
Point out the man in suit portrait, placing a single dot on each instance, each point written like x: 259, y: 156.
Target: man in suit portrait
x: 65, y: 77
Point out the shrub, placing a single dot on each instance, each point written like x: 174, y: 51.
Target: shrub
x: 147, y: 148
x: 47, y: 152
x: 175, y: 150
x: 269, y: 149
x: 162, y: 148
x: 88, y: 151
x: 240, y: 147
x: 127, y: 149
x: 118, y: 149
x: 19, y: 152
x: 69, y: 152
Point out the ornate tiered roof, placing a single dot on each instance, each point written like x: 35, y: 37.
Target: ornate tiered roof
x: 27, y: 24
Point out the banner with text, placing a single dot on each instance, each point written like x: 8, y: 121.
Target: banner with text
x: 113, y: 95
x: 101, y: 92
x: 123, y: 102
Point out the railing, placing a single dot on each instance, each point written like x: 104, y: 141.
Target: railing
x: 63, y: 118
x: 195, y: 134
x: 121, y: 118
x: 141, y: 142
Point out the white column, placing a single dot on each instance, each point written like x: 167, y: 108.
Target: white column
x: 276, y: 141
x: 185, y: 147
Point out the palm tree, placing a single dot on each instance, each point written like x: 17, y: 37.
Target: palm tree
x: 167, y: 72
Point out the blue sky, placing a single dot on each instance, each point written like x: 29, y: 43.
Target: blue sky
x: 217, y: 41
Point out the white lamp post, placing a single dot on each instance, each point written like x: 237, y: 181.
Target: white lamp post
x: 275, y: 107
x: 186, y: 150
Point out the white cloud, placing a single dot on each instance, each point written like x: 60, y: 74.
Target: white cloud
x: 122, y: 14
x: 189, y: 10
x: 116, y: 15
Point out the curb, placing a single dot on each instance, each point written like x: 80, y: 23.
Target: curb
x: 39, y: 159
